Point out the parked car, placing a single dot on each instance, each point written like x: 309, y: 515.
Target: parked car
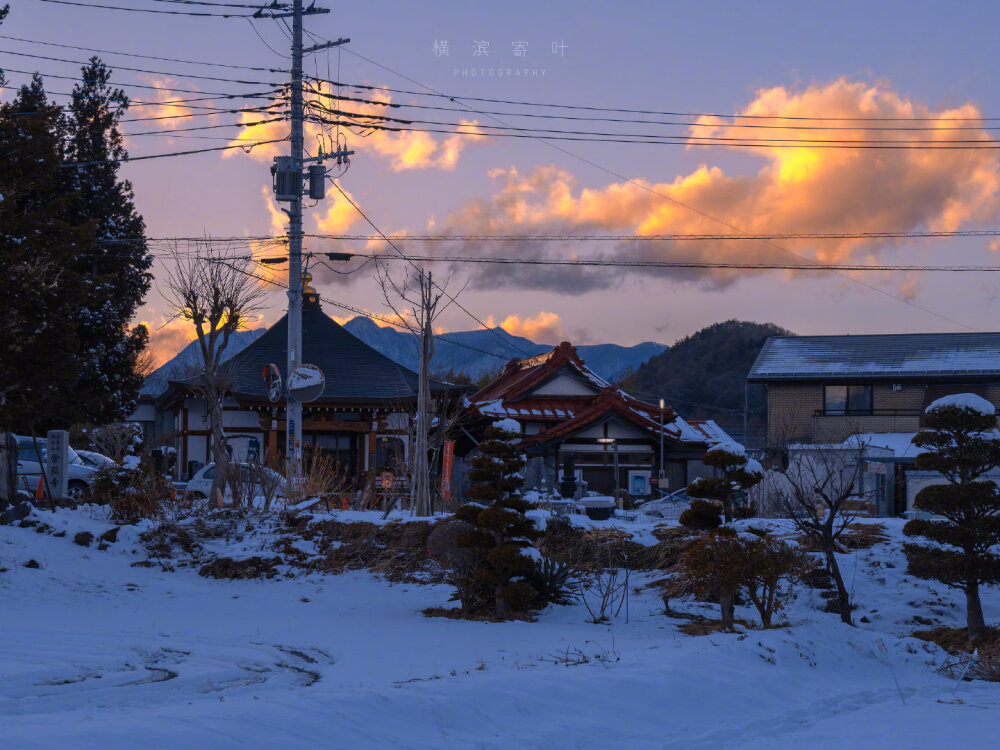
x: 95, y: 460
x: 29, y: 470
x: 200, y: 485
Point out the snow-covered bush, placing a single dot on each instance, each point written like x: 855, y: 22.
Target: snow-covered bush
x: 498, y: 529
x: 131, y: 494
x: 961, y: 539
x: 737, y: 474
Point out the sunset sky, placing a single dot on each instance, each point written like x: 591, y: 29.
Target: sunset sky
x: 789, y: 59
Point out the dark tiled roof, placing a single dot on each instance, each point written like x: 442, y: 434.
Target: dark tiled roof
x: 905, y: 355
x: 355, y: 372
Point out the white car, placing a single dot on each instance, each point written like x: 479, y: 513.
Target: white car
x: 95, y: 460
x: 29, y: 470
x: 200, y: 485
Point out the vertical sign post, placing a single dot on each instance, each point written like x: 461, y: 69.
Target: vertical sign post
x: 57, y: 463
x: 446, y: 463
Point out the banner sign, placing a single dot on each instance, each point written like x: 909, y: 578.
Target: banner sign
x: 447, y: 461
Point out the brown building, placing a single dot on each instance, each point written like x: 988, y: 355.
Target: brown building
x: 822, y: 389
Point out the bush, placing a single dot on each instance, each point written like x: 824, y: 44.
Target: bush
x: 703, y: 515
x: 132, y: 494
x: 770, y: 568
x: 552, y: 580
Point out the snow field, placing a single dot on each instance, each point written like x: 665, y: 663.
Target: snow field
x: 97, y: 653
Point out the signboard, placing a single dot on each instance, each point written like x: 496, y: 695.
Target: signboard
x: 272, y: 383
x: 386, y: 480
x: 306, y: 383
x: 57, y: 463
x: 446, y: 463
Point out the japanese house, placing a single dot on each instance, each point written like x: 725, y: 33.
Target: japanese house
x: 823, y: 390
x: 565, y: 409
x: 362, y: 418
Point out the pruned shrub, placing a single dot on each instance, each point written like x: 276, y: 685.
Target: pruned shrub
x: 771, y: 567
x: 131, y: 494
x: 703, y: 515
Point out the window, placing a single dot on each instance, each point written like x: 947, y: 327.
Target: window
x: 847, y: 399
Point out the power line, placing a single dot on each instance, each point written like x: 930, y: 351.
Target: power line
x: 246, y: 149
x: 676, y: 202
x: 638, y: 121
x: 256, y: 6
x: 665, y: 237
x: 539, y: 134
x: 610, y: 263
x: 430, y: 92
x: 122, y: 85
x: 172, y: 74
x: 145, y: 57
x: 201, y: 14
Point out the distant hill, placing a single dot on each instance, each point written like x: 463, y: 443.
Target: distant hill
x: 475, y: 353
x: 703, y: 376
x: 190, y: 357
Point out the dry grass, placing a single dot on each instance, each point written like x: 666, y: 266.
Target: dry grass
x: 985, y: 666
x: 864, y: 535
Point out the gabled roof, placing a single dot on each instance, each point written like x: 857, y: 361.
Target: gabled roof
x: 889, y: 356
x: 520, y: 376
x: 355, y: 372
x: 613, y: 402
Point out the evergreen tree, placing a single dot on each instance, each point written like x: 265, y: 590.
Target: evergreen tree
x: 40, y: 292
x: 736, y: 474
x: 962, y: 444
x: 500, y: 529
x: 118, y: 262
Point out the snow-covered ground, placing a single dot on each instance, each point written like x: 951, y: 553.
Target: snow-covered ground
x: 97, y: 653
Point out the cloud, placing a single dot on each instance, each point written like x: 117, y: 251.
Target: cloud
x: 546, y: 327
x: 167, y: 337
x: 405, y: 149
x: 796, y: 190
x: 164, y: 102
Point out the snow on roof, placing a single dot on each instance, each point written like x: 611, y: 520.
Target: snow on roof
x: 967, y: 400
x: 507, y: 425
x: 885, y: 355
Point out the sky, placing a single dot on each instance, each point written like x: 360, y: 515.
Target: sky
x: 777, y: 59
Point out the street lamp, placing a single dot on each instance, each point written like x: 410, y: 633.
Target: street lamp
x: 660, y: 483
x: 606, y: 441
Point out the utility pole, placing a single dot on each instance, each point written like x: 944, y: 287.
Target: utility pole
x: 288, y: 179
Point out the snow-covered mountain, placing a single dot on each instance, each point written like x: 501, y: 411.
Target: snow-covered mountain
x: 482, y: 351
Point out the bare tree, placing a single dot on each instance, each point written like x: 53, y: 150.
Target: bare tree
x: 217, y: 295
x: 818, y: 488
x: 422, y: 296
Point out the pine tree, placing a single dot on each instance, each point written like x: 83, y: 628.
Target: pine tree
x: 500, y: 529
x: 737, y: 475
x: 962, y: 444
x: 118, y: 263
x: 40, y: 293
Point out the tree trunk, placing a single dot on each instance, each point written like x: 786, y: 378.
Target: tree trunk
x: 975, y: 624
x: 8, y: 470
x: 843, y: 600
x: 727, y: 509
x: 219, y: 453
x: 728, y: 617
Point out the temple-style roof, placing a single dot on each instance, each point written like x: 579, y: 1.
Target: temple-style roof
x: 355, y: 372
x: 513, y: 395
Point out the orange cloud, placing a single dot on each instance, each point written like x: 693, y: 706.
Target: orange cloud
x: 796, y: 190
x: 545, y: 327
x: 167, y: 337
x: 162, y: 102
x: 404, y: 149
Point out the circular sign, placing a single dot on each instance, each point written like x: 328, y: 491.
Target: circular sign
x: 306, y: 383
x: 272, y: 383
